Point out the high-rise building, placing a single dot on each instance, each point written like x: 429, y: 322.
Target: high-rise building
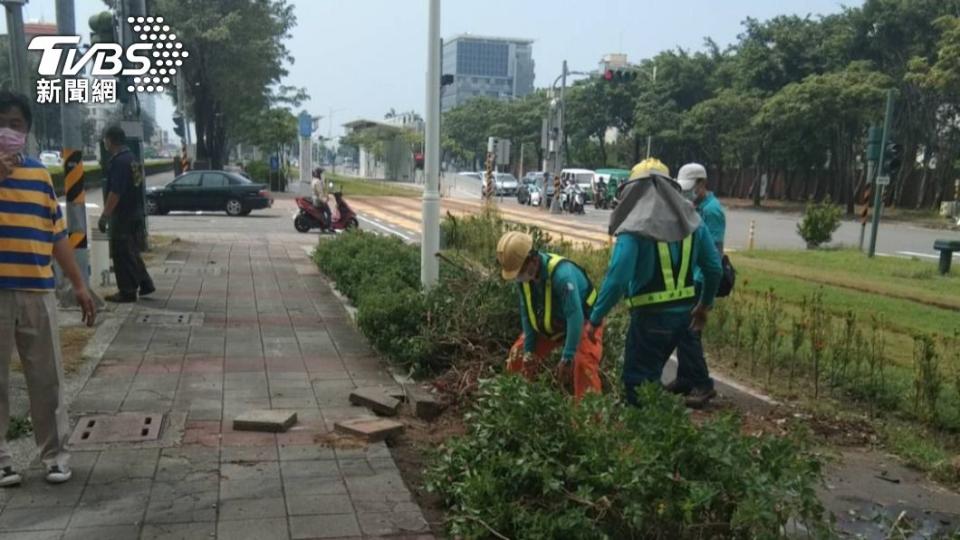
x: 500, y: 68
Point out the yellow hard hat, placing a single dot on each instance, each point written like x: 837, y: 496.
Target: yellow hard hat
x: 648, y: 166
x: 512, y: 251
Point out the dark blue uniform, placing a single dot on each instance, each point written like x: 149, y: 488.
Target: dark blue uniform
x: 127, y: 223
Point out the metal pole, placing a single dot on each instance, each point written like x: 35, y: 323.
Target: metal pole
x: 521, y: 160
x: 878, y: 189
x: 863, y: 222
x: 561, y: 140
x: 73, y: 175
x: 18, y: 58
x: 650, y: 136
x: 430, y: 242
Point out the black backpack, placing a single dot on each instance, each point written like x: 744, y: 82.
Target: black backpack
x: 728, y: 279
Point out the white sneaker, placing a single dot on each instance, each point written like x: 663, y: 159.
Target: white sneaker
x: 58, y: 474
x: 9, y: 477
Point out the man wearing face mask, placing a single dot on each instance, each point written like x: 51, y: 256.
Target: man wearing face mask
x: 555, y: 298
x: 123, y: 215
x: 693, y: 377
x: 32, y: 234
x: 693, y: 181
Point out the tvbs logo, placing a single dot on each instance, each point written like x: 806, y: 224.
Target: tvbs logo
x: 150, y: 60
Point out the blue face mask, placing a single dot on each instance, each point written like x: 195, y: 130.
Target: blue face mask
x: 690, y: 195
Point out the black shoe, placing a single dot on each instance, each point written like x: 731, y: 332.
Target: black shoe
x: 9, y: 477
x: 699, y: 397
x: 146, y: 289
x: 120, y: 298
x: 678, y: 387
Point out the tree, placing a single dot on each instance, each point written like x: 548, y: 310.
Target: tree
x: 219, y: 34
x: 819, y: 124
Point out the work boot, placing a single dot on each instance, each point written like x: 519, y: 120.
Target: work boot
x: 699, y: 397
x: 121, y: 298
x: 678, y: 387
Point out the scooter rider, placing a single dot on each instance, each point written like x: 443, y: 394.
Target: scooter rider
x: 320, y: 197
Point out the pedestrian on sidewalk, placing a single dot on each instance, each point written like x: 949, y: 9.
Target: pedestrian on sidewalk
x: 693, y: 377
x: 31, y: 234
x: 555, y: 298
x: 660, y: 241
x: 123, y: 215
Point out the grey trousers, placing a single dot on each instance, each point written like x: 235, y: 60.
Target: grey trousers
x: 28, y: 320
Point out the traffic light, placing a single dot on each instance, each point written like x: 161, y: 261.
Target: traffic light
x: 892, y: 158
x: 102, y: 29
x: 178, y: 125
x: 446, y: 80
x: 619, y: 75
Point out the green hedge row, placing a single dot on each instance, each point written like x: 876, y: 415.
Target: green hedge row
x: 532, y: 466
x: 93, y: 175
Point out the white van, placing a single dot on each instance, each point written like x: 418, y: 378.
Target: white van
x: 583, y: 178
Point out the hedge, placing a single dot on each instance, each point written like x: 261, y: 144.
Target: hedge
x: 94, y: 176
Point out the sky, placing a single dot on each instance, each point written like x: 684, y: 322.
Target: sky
x: 360, y: 58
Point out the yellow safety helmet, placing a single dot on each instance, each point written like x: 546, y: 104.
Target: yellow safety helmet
x: 512, y: 251
x: 647, y: 167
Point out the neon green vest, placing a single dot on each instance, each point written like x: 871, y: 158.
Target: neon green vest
x: 670, y: 288
x: 545, y: 326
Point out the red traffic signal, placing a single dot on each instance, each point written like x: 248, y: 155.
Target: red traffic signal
x: 619, y: 76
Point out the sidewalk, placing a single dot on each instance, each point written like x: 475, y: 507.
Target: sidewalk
x: 259, y: 329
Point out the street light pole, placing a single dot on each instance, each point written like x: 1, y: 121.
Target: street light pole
x: 430, y: 242
x: 650, y: 136
x: 878, y: 186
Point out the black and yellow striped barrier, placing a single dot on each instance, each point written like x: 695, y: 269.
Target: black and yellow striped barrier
x: 74, y: 186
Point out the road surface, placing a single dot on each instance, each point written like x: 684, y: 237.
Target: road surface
x: 772, y: 230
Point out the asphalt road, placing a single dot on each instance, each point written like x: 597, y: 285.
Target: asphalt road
x: 772, y: 230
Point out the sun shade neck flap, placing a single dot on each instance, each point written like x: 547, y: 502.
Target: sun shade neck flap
x: 653, y: 208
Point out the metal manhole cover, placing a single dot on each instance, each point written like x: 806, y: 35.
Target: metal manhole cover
x: 205, y: 270
x: 170, y: 319
x: 117, y: 428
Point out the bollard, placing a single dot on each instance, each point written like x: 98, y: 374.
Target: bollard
x: 753, y: 232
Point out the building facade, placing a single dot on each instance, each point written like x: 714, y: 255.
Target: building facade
x: 498, y: 68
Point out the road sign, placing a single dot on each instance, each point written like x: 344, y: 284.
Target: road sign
x: 306, y: 124
x: 274, y: 163
x: 883, y: 180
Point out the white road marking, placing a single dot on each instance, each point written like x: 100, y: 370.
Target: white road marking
x: 387, y: 229
x: 915, y: 254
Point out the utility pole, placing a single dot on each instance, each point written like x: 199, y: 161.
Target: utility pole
x: 882, y: 179
x: 73, y: 176
x: 430, y: 241
x: 18, y: 57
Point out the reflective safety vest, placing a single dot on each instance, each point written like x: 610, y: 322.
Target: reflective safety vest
x: 544, y: 325
x: 669, y: 287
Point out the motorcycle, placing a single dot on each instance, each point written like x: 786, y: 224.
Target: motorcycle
x: 535, y: 197
x: 572, y: 199
x: 600, y: 196
x: 312, y: 217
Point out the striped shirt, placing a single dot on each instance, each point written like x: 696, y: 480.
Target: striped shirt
x: 30, y: 222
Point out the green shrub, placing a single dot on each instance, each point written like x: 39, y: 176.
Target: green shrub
x: 354, y: 259
x: 820, y: 221
x: 392, y: 321
x: 259, y: 171
x: 532, y: 466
